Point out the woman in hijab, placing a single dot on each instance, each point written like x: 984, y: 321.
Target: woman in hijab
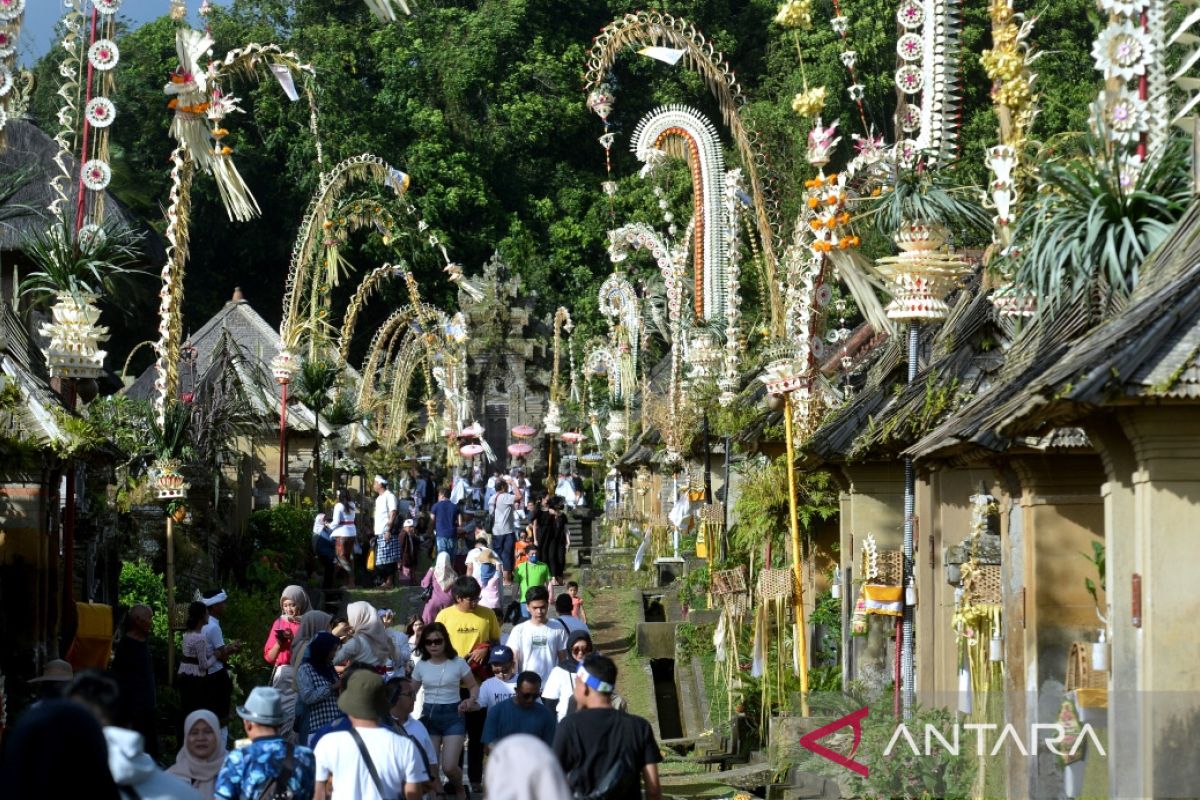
x: 440, y: 579
x: 202, y: 754
x: 559, y: 691
x: 293, y: 604
x: 318, y: 681
x: 53, y: 735
x: 522, y: 767
x: 311, y: 623
x: 370, y: 644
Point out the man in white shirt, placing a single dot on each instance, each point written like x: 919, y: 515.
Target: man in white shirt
x: 403, y: 698
x: 473, y: 554
x: 386, y: 510
x: 537, y: 646
x: 218, y: 673
x: 369, y: 761
x: 503, y: 683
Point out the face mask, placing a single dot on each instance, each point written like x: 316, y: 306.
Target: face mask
x: 533, y: 559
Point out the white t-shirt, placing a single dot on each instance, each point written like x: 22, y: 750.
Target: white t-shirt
x: 385, y: 504
x: 416, y: 729
x: 560, y: 685
x: 495, y: 691
x: 342, y: 525
x: 216, y: 640
x: 537, y: 647
x: 395, y: 758
x: 441, y: 681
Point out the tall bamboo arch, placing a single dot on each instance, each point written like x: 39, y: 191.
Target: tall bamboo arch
x: 434, y: 324
x: 655, y: 29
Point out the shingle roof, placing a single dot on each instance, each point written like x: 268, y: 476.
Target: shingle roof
x: 1066, y: 369
x: 260, y: 343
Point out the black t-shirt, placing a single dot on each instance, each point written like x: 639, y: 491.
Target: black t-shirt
x: 590, y: 741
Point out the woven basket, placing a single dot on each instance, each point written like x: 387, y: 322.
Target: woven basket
x: 1080, y: 674
x: 736, y: 603
x: 983, y: 587
x: 891, y: 568
x: 775, y: 584
x: 712, y: 513
x: 728, y: 581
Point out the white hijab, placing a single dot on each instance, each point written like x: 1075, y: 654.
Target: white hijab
x: 522, y: 767
x: 443, y: 573
x: 370, y: 643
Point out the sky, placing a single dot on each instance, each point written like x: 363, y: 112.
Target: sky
x: 37, y: 34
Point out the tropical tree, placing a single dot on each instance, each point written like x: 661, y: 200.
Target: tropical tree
x: 314, y: 385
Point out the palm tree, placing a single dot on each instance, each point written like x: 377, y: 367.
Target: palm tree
x: 314, y: 385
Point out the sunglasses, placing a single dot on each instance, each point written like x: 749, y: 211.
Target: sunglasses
x: 438, y: 642
x: 581, y: 648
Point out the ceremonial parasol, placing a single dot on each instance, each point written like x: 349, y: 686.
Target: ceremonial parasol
x: 471, y: 450
x: 520, y: 449
x: 524, y: 431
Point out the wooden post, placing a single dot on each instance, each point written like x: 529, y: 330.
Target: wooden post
x: 170, y: 600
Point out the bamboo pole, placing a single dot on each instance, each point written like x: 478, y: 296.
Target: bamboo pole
x: 797, y: 564
x: 170, y: 600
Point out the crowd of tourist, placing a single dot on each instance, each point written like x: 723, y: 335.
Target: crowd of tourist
x: 360, y: 704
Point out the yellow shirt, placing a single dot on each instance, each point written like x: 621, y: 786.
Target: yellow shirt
x: 469, y: 628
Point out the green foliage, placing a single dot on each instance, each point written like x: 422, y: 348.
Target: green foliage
x: 171, y: 438
x: 694, y: 587
x: 68, y: 263
x: 693, y: 640
x: 126, y: 422
x: 919, y: 195
x: 761, y: 509
x: 78, y: 435
x: 1091, y: 226
x: 139, y: 584
x: 284, y: 527
x: 1097, y: 559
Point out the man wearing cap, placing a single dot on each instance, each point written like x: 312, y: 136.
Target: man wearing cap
x: 521, y: 713
x: 387, y: 538
x: 606, y: 753
x: 503, y: 683
x: 251, y: 771
x: 472, y: 630
x: 218, y: 673
x: 370, y: 761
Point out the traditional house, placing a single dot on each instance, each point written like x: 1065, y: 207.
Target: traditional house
x: 239, y: 339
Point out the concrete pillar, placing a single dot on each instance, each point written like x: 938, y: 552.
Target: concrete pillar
x: 1062, y: 513
x: 1125, y: 776
x: 1166, y: 646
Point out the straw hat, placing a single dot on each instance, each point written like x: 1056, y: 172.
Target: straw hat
x: 56, y: 670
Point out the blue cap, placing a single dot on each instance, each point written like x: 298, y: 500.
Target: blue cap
x: 500, y: 655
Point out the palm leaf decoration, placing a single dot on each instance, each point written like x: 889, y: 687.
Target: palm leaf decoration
x: 1095, y: 220
x: 173, y: 438
x: 921, y: 195
x: 314, y: 384
x: 68, y: 263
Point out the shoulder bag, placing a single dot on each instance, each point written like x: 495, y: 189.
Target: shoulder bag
x: 277, y: 788
x: 362, y: 748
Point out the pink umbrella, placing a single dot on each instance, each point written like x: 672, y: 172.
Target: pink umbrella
x: 573, y: 438
x: 520, y: 449
x: 471, y: 450
x: 524, y: 431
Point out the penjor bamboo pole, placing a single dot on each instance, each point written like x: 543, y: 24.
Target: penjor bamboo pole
x: 797, y: 564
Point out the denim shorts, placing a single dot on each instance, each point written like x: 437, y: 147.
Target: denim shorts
x: 445, y: 545
x: 443, y: 719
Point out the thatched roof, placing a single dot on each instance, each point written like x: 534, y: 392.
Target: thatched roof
x: 24, y: 365
x: 29, y: 147
x: 887, y: 413
x: 1146, y: 352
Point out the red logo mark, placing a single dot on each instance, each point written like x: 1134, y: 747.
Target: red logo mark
x: 852, y: 720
